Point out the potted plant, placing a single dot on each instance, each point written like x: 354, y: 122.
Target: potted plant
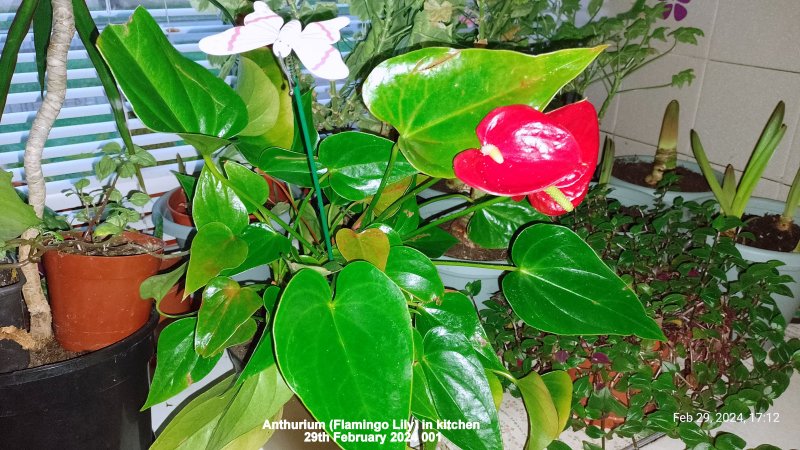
x: 642, y: 174
x: 767, y: 232
x: 353, y: 319
x: 724, y: 359
x: 68, y: 402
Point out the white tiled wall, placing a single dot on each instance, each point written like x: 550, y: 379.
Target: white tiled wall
x: 748, y: 60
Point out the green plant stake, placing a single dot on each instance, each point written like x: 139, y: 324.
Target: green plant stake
x: 323, y: 219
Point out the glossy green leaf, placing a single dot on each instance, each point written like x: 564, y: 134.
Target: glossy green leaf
x: 215, y: 202
x: 370, y: 245
x: 282, y: 164
x: 281, y: 133
x: 263, y: 246
x: 261, y: 358
x: 406, y: 219
x: 261, y: 98
x: 178, y: 364
x: 495, y: 225
x: 17, y: 215
x: 496, y: 387
x: 42, y: 26
x: 226, y: 306
x: 192, y: 427
x: 391, y: 193
x: 168, y: 91
x: 243, y: 334
x: 435, y: 97
x: 261, y: 397
x: 457, y: 314
x: 357, y: 162
x: 350, y: 357
x: 563, y: 287
x: 460, y: 390
x: 17, y: 32
x: 421, y: 402
x: 414, y: 273
x: 543, y: 418
x: 251, y: 184
x: 228, y: 416
x: 434, y: 242
x: 214, y: 248
x: 559, y: 384
x: 157, y: 286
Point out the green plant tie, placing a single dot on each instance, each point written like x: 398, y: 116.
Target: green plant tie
x: 323, y: 219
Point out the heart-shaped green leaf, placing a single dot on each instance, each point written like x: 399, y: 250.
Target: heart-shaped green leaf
x: 215, y: 202
x: 168, y: 91
x: 457, y: 314
x: 559, y: 384
x: 460, y: 390
x: 433, y: 242
x: 357, y: 162
x: 226, y: 306
x: 435, y: 97
x: 262, y: 101
x: 17, y: 215
x: 157, y: 286
x: 414, y: 273
x: 178, y: 364
x: 282, y: 164
x: 495, y: 225
x: 406, y: 219
x: 264, y: 246
x: 281, y: 133
x: 543, y: 420
x: 563, y: 287
x: 253, y: 185
x: 214, y: 248
x: 347, y: 358
x: 369, y: 245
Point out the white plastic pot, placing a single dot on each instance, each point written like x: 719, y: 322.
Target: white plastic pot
x: 630, y: 194
x: 788, y: 305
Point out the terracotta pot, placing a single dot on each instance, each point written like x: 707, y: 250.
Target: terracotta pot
x: 95, y: 299
x: 173, y: 303
x: 178, y: 207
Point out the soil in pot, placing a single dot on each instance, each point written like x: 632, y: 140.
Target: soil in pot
x: 95, y: 299
x: 768, y: 236
x: 465, y: 248
x: 179, y: 208
x: 635, y: 172
x: 12, y: 313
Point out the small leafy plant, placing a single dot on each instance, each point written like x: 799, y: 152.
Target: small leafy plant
x: 712, y: 369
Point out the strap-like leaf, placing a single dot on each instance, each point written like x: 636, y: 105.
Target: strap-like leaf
x: 16, y: 34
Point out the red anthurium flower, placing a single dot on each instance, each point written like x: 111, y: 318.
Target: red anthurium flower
x: 580, y: 119
x: 522, y: 151
x: 548, y: 157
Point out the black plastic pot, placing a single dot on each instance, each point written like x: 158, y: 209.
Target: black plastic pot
x: 13, y: 313
x: 89, y: 402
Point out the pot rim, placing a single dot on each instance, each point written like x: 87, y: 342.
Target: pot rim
x: 81, y: 362
x: 145, y: 236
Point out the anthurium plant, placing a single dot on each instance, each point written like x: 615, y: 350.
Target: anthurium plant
x: 356, y: 321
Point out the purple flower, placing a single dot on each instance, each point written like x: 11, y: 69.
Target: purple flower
x: 676, y: 9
